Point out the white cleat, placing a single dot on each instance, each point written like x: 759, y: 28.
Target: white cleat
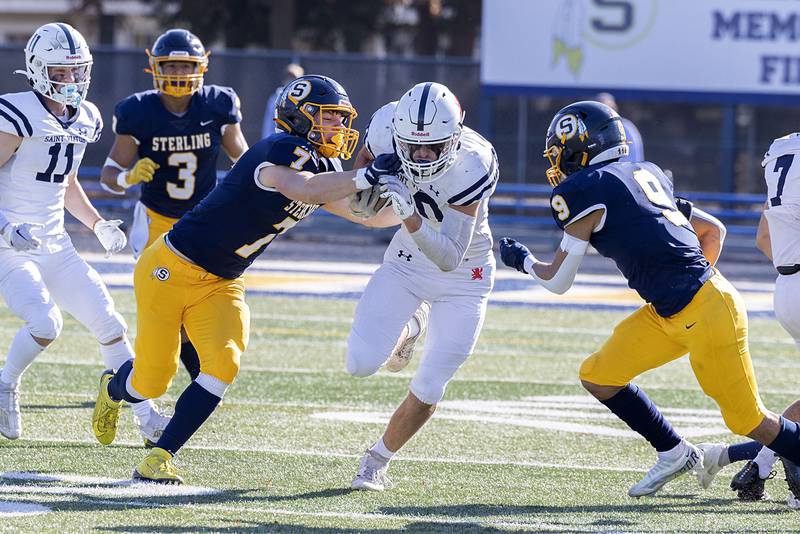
x: 710, y: 467
x: 10, y: 418
x: 151, y: 427
x: 665, y: 470
x: 372, y: 473
x: 404, y: 350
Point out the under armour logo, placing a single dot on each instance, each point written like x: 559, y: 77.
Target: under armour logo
x: 161, y: 273
x: 434, y: 191
x: 401, y: 254
x: 477, y: 273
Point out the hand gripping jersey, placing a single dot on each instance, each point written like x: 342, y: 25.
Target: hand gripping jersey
x: 185, y: 147
x: 782, y: 174
x: 34, y: 180
x: 233, y: 225
x: 652, y: 243
x: 471, y: 179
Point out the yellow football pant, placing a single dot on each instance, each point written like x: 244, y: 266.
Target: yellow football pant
x: 171, y: 292
x: 712, y: 328
x: 157, y: 225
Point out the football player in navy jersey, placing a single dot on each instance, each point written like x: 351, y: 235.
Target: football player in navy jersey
x: 627, y: 212
x: 192, y: 277
x: 168, y: 140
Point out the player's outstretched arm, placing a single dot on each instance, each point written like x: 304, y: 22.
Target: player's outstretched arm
x: 383, y: 219
x: 115, y: 176
x: 233, y: 142
x: 558, y: 275
x: 710, y: 232
x: 763, y: 240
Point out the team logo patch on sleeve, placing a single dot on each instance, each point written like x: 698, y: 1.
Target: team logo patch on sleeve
x: 161, y: 273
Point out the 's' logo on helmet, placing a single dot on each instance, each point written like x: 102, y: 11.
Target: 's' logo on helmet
x: 568, y: 126
x: 299, y: 91
x: 161, y: 273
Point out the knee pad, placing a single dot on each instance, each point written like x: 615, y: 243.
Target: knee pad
x: 428, y: 390
x: 225, y: 366
x: 361, y: 359
x: 47, y: 323
x: 152, y: 387
x: 741, y: 423
x: 587, y: 367
x: 110, y: 327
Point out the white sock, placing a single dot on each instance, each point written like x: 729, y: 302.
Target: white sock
x: 380, y: 449
x: 116, y: 354
x: 21, y: 353
x: 765, y: 459
x: 675, y: 452
x: 141, y: 410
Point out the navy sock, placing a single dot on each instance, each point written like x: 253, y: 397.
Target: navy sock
x: 744, y: 451
x: 634, y: 407
x: 192, y: 409
x: 190, y: 359
x: 116, y: 387
x: 787, y: 442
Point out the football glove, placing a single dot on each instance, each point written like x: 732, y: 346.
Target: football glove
x: 142, y: 171
x: 514, y: 253
x: 110, y: 236
x: 367, y: 203
x: 383, y: 165
x: 20, y: 236
x: 396, y: 191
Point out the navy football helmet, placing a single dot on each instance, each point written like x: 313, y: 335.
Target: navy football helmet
x: 582, y: 134
x: 299, y: 112
x: 177, y: 45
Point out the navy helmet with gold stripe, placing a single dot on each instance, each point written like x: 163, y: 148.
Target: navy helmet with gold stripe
x: 300, y: 109
x: 583, y: 134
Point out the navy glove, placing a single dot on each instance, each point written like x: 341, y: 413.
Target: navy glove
x: 383, y: 165
x: 513, y: 254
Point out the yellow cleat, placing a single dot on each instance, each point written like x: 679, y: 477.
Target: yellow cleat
x: 106, y: 412
x: 157, y: 467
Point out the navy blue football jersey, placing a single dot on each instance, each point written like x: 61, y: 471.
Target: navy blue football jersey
x: 233, y: 225
x: 185, y: 147
x: 651, y: 241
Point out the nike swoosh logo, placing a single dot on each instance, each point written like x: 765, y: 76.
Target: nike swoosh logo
x: 206, y: 123
x: 688, y: 326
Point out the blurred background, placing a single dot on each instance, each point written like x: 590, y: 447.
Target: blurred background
x: 708, y: 84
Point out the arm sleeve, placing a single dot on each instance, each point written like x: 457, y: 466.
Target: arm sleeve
x: 447, y: 247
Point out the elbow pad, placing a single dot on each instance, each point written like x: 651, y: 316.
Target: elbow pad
x: 565, y: 276
x: 447, y: 247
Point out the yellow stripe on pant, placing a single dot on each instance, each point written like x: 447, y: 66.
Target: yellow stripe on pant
x: 171, y: 292
x: 712, y: 328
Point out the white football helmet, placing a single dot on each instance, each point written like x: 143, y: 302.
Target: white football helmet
x: 430, y: 116
x: 58, y: 45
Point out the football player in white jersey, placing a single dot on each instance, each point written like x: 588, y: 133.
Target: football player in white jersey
x: 43, y: 135
x: 778, y: 237
x: 440, y: 259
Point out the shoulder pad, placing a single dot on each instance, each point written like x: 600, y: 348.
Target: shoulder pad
x: 16, y: 111
x: 475, y: 175
x: 781, y: 146
x: 127, y: 113
x: 225, y: 103
x: 288, y: 150
x: 378, y: 138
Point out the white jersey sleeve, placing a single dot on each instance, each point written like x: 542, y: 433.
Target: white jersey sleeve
x: 379, y: 139
x: 33, y: 181
x: 782, y: 175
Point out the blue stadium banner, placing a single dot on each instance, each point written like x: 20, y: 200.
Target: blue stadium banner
x: 690, y: 47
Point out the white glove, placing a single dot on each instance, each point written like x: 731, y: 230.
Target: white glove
x: 110, y: 236
x: 398, y: 194
x: 20, y: 235
x: 367, y: 203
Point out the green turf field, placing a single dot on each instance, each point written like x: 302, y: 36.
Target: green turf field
x: 515, y: 446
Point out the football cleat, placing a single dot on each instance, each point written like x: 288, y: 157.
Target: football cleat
x: 106, y: 412
x: 157, y: 468
x: 792, y: 472
x: 748, y: 485
x: 372, y: 473
x: 404, y: 350
x: 152, y: 426
x: 10, y: 418
x: 665, y: 470
x: 710, y: 468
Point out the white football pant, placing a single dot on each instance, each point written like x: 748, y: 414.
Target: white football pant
x: 458, y: 305
x: 787, y: 304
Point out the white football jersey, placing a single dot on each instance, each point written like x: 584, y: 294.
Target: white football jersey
x: 34, y: 180
x: 782, y: 174
x: 471, y: 179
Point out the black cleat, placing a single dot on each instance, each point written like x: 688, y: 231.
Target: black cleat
x: 748, y: 485
x: 792, y: 472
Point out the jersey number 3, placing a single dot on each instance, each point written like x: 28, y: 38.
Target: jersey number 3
x: 187, y: 165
